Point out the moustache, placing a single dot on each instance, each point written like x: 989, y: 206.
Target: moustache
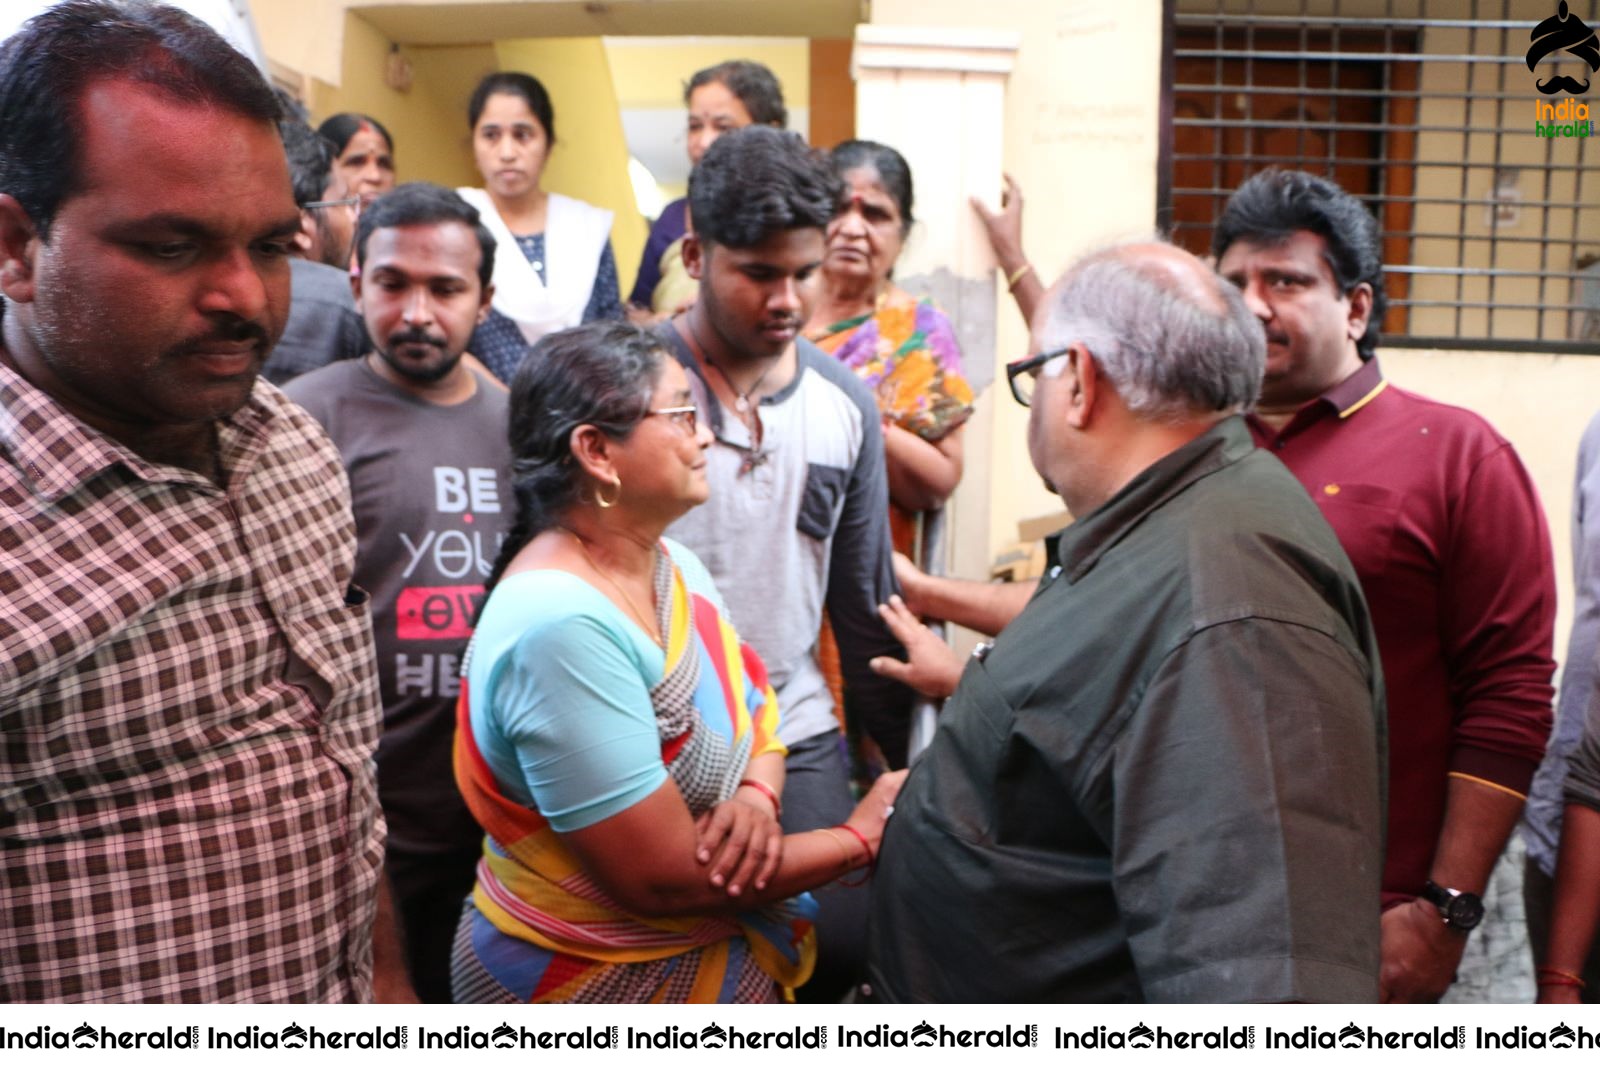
x: 415, y: 336
x: 1563, y: 81
x: 229, y: 332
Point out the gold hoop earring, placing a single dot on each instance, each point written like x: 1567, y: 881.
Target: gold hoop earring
x: 600, y: 496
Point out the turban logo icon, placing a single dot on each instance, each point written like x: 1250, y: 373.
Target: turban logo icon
x: 1564, y: 31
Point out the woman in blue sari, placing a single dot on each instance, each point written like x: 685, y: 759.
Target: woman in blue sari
x: 617, y: 742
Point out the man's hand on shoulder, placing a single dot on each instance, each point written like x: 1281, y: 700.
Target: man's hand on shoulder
x: 1420, y: 954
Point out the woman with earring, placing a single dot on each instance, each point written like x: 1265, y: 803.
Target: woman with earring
x: 616, y: 740
x: 553, y: 267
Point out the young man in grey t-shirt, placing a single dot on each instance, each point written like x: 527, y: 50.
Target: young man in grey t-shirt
x: 423, y: 439
x: 798, y: 520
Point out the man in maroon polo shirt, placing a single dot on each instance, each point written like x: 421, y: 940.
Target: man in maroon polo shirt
x: 1450, y: 543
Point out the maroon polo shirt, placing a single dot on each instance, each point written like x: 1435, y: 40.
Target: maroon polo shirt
x: 1447, y: 536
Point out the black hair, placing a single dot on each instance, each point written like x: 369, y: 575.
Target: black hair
x: 419, y: 203
x: 311, y: 159
x: 514, y: 83
x: 893, y: 173
x: 345, y: 125
x: 601, y: 374
x: 1271, y: 206
x: 290, y: 107
x: 758, y: 181
x: 756, y: 87
x: 47, y: 65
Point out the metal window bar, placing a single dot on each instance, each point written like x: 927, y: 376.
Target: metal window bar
x: 1482, y: 221
x: 1395, y: 94
x: 1466, y: 176
x: 1270, y: 160
x: 1469, y: 200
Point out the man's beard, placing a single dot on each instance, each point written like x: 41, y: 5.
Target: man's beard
x: 423, y: 375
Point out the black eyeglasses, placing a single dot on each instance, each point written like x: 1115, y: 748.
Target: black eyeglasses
x: 686, y: 418
x: 1025, y: 372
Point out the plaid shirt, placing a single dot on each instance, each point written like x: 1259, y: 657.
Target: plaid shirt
x: 188, y: 713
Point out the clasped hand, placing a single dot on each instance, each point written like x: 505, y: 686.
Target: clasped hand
x: 742, y: 842
x: 1420, y: 954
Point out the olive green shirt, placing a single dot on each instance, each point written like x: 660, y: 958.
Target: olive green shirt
x: 1164, y: 781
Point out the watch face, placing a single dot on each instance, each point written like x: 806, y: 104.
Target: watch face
x: 1464, y: 911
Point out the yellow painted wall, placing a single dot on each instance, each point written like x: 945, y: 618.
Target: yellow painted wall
x: 429, y: 123
x: 651, y: 72
x: 291, y: 33
x: 590, y: 159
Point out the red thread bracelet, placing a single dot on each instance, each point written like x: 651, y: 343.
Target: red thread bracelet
x: 767, y: 791
x: 1556, y: 976
x: 872, y: 860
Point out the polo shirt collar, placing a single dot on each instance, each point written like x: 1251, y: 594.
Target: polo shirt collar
x: 1085, y: 541
x: 1342, y: 401
x: 55, y: 452
x: 1356, y: 391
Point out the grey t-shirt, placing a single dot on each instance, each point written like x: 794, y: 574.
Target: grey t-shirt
x: 801, y: 527
x: 432, y: 493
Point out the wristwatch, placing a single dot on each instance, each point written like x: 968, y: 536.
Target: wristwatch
x: 1463, y: 911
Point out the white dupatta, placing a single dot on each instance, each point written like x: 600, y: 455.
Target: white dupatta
x: 575, y: 233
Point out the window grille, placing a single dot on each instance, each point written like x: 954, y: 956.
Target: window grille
x: 1425, y: 110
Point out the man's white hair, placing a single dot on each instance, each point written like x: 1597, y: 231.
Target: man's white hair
x: 1173, y: 349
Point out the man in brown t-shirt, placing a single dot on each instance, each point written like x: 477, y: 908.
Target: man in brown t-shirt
x: 423, y: 438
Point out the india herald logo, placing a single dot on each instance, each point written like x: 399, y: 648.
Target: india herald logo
x: 1566, y: 32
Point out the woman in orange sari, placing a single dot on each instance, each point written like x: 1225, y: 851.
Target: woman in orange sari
x: 903, y: 348
x: 615, y: 739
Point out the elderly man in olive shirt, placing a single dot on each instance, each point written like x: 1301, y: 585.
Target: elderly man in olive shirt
x: 1163, y: 780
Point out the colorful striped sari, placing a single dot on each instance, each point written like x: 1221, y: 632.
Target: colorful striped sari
x: 538, y: 928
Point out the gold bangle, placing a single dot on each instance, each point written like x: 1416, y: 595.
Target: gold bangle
x: 844, y: 849
x: 1016, y: 275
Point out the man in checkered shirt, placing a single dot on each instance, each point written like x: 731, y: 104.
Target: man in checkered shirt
x: 188, y: 710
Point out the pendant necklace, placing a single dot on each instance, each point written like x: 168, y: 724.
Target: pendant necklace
x: 744, y: 411
x: 741, y: 403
